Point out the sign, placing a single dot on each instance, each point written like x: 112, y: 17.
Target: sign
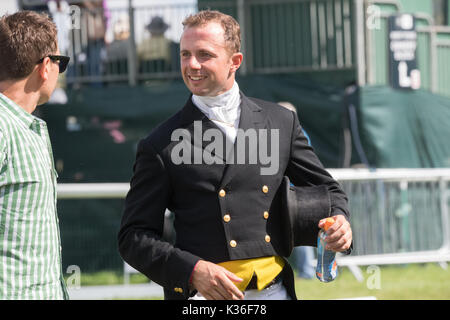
x: 402, y: 52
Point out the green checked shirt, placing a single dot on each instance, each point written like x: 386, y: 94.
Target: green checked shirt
x: 30, y: 246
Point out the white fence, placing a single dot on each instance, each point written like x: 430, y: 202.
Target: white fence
x: 409, y: 222
x: 398, y: 215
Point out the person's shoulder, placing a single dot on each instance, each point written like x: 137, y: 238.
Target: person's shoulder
x: 3, y: 140
x: 273, y: 109
x: 5, y: 118
x: 160, y: 136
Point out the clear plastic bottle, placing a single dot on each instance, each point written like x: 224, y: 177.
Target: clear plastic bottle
x: 326, y: 269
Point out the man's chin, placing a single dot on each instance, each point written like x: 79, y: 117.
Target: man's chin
x: 198, y: 91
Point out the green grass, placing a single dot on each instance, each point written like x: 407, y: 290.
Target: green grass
x: 108, y: 278
x: 396, y: 282
x: 409, y: 282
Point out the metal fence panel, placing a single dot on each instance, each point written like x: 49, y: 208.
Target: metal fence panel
x: 443, y: 61
x: 277, y: 37
x: 394, y: 217
x: 289, y: 36
x: 397, y: 216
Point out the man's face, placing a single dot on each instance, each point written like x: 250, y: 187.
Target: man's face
x: 207, y: 66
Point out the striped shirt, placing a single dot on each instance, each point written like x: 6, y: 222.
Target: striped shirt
x: 30, y: 245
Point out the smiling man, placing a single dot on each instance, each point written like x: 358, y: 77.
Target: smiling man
x: 208, y: 63
x: 30, y: 246
x: 228, y: 215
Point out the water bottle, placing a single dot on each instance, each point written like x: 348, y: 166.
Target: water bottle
x: 326, y: 269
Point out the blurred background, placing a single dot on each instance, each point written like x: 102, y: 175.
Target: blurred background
x: 370, y: 80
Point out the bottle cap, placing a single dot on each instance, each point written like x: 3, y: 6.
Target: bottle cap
x: 328, y: 223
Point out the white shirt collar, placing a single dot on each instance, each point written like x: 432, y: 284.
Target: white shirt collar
x: 224, y: 108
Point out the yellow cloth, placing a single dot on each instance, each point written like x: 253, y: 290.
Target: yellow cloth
x: 265, y: 269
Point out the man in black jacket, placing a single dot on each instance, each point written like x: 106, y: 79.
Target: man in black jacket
x: 218, y: 164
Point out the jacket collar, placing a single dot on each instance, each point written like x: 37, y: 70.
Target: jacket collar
x: 191, y: 113
x: 252, y: 116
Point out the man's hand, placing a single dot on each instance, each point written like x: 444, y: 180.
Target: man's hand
x: 215, y: 282
x: 339, y: 235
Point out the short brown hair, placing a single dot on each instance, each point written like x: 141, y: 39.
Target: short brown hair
x: 229, y: 25
x: 25, y: 38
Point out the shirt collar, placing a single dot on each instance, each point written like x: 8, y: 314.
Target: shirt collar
x: 223, y: 107
x: 26, y: 118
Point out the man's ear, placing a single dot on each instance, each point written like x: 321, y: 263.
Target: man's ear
x: 43, y: 69
x: 236, y: 60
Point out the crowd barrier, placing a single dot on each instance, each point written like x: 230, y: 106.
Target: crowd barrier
x: 398, y: 216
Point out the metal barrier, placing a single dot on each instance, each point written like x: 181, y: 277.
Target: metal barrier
x: 296, y: 35
x: 278, y: 36
x: 116, y: 45
x: 398, y: 215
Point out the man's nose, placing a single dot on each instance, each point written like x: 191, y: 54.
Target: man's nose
x: 193, y: 63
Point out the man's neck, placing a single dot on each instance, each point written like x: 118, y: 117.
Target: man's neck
x: 222, y: 99
x: 17, y: 92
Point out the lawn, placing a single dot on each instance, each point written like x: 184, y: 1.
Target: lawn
x: 403, y: 282
x: 395, y: 282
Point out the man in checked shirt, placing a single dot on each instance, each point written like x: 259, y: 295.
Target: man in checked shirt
x: 30, y: 246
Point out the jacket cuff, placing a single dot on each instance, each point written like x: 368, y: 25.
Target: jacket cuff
x: 192, y: 273
x: 182, y: 265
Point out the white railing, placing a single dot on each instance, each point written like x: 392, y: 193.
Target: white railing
x: 439, y: 178
x: 120, y: 189
x: 92, y: 190
x: 380, y: 225
x: 390, y: 174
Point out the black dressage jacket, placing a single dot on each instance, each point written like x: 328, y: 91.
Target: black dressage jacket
x: 227, y: 208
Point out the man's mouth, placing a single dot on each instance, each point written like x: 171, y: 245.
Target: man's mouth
x: 196, y: 78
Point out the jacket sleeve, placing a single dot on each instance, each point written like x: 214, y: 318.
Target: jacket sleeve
x: 305, y: 169
x: 140, y: 235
